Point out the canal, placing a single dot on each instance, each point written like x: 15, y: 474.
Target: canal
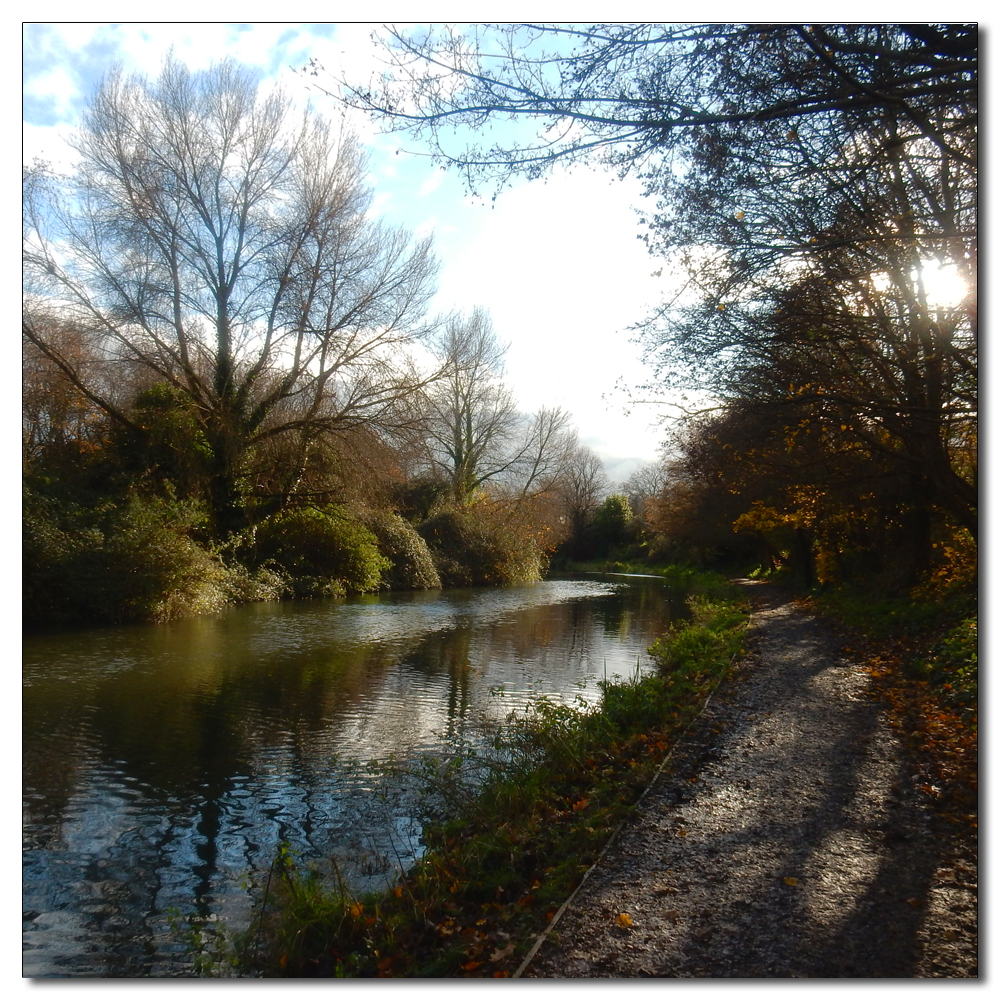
x: 164, y: 764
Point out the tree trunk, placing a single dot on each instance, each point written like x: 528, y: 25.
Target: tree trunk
x: 228, y: 507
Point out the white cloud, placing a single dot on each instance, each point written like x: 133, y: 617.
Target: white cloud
x: 50, y: 144
x: 432, y: 183
x: 57, y: 86
x: 563, y: 274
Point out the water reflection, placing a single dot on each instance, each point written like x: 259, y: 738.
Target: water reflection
x: 164, y: 763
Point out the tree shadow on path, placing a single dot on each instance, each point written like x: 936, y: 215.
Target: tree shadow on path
x: 785, y: 840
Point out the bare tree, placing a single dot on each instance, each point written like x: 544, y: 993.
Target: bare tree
x: 645, y: 484
x: 472, y: 414
x: 218, y: 240
x: 584, y: 485
x: 547, y: 447
x: 474, y: 429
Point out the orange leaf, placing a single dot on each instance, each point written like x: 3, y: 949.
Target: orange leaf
x: 623, y: 920
x: 790, y: 881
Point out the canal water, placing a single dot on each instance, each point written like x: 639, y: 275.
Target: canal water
x: 164, y: 765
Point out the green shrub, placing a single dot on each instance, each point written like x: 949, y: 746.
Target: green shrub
x: 133, y: 560
x: 481, y: 546
x: 611, y: 520
x: 244, y: 586
x: 321, y: 552
x: 410, y: 564
x: 953, y: 664
x: 712, y: 637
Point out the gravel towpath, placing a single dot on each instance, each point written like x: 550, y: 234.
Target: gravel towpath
x: 787, y: 837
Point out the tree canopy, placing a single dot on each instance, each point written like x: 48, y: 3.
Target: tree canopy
x: 807, y: 185
x: 630, y: 91
x: 215, y: 240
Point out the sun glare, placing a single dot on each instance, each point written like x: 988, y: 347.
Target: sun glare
x: 943, y: 284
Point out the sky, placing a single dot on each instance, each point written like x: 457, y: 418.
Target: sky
x: 558, y: 264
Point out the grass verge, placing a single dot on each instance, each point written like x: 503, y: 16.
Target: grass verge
x: 547, y: 795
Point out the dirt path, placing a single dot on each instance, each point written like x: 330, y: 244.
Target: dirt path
x: 786, y: 839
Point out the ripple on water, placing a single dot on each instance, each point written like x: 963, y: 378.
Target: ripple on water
x: 165, y: 764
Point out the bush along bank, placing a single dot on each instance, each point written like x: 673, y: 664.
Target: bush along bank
x: 152, y: 558
x: 513, y: 830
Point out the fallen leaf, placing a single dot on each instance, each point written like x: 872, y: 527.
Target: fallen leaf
x: 623, y: 920
x: 469, y: 966
x: 356, y: 909
x: 915, y: 902
x: 500, y: 953
x: 790, y: 881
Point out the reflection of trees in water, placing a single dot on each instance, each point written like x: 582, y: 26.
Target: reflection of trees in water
x: 194, y: 762
x: 573, y: 630
x: 447, y: 652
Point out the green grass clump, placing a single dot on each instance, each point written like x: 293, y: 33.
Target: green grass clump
x: 713, y: 636
x: 952, y: 664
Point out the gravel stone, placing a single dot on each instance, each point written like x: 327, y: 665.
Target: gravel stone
x: 785, y: 839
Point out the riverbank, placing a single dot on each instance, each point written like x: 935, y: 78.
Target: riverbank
x: 819, y: 821
x: 516, y: 830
